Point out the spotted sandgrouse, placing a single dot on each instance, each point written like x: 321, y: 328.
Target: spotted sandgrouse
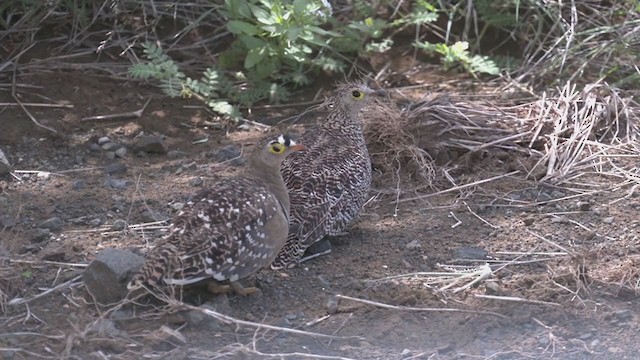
x: 228, y: 231
x: 329, y: 184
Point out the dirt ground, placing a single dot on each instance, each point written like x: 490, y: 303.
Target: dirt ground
x: 567, y: 287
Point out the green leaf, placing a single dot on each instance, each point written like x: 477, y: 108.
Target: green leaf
x: 251, y: 42
x: 262, y: 15
x: 254, y: 56
x: 241, y: 27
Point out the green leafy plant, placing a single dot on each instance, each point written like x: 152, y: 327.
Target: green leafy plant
x: 279, y: 42
x: 458, y: 55
x: 175, y: 83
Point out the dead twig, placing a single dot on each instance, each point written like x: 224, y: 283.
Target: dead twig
x: 425, y: 309
x: 40, y: 105
x: 128, y: 115
x: 22, y: 106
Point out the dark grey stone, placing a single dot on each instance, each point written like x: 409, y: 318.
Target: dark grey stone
x: 152, y: 145
x: 115, y: 168
x: 106, y: 277
x: 39, y: 235
x: 53, y: 224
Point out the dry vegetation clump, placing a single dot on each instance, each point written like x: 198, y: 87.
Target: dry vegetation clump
x: 585, y: 131
x: 558, y: 139
x: 417, y: 146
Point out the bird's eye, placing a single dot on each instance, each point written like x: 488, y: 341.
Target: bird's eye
x: 276, y: 148
x: 358, y: 95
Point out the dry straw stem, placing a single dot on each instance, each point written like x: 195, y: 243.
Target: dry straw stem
x: 420, y: 309
x: 583, y: 129
x: 174, y: 303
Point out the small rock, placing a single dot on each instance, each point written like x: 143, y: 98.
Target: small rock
x: 54, y: 223
x: 586, y: 336
x: 557, y: 220
x: 7, y: 221
x: 177, y: 206
x: 153, y: 216
x: 200, y: 320
x: 197, y: 181
x: 117, y: 183
x: 471, y: 252
x: 115, y: 168
x: 122, y: 152
x: 405, y: 352
x: 119, y: 225
x: 152, y: 145
x: 106, y: 277
x: 43, y: 175
x: 414, y: 245
x: 544, y: 196
x: 110, y: 155
x: 96, y: 222
x: 93, y: 147
x: 528, y: 221
x: 174, y: 154
x: 623, y: 316
x: 291, y: 316
x: 110, y: 146
x: 332, y: 305
x: 608, y: 220
x: 39, y: 235
x: 79, y: 185
x: 82, y: 220
x: 229, y: 153
x: 103, y: 140
x: 584, y: 206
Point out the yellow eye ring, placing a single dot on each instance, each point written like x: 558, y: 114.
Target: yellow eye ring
x: 276, y: 148
x: 357, y: 94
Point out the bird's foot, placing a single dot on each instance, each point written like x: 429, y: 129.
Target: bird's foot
x: 217, y: 288
x: 244, y: 291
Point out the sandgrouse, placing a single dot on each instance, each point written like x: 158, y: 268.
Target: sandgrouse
x: 329, y: 184
x: 228, y: 231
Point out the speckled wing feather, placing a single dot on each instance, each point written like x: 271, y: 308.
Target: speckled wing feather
x: 327, y: 188
x: 219, y: 234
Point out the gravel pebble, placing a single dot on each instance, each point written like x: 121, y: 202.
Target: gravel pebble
x: 54, y: 223
x: 115, y: 168
x: 152, y: 145
x: 39, y: 235
x: 121, y: 152
x: 414, y: 245
x: 110, y: 146
x: 197, y: 181
x: 608, y: 220
x: 119, y: 225
x: 78, y: 185
x: 103, y: 140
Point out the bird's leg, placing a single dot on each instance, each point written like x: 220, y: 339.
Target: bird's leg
x: 244, y: 291
x: 216, y: 288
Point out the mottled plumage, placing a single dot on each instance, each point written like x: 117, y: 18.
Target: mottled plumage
x: 329, y: 184
x: 229, y: 230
